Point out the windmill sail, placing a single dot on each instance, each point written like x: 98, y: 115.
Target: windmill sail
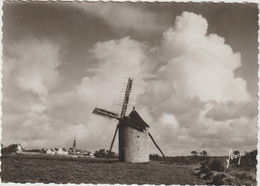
x: 109, y: 114
x: 123, y: 111
x: 126, y: 98
x: 105, y: 113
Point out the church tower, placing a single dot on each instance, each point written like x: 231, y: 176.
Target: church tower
x: 74, y: 144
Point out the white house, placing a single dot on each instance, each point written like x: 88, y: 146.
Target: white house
x: 50, y: 151
x: 91, y: 155
x: 62, y: 151
x: 19, y: 148
x: 88, y: 154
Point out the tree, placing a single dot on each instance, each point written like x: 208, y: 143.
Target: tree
x: 9, y: 149
x: 111, y: 155
x: 102, y: 153
x: 236, y: 152
x: 154, y: 157
x: 194, y: 153
x: 204, y: 153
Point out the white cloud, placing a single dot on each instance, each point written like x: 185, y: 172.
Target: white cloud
x: 33, y: 65
x: 116, y: 61
x: 200, y: 65
x: 179, y: 89
x: 30, y: 68
x: 169, y: 119
x: 125, y: 16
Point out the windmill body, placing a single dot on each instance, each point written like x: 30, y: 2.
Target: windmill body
x: 133, y: 139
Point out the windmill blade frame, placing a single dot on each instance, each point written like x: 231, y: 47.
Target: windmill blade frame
x: 123, y: 111
x: 105, y: 113
x: 126, y: 97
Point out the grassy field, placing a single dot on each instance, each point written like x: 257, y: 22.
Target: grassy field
x: 21, y: 169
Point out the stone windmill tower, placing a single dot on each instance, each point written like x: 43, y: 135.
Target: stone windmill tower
x: 133, y: 132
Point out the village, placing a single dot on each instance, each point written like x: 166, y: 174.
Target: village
x: 54, y: 151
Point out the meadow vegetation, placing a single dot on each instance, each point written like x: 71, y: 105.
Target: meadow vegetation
x: 190, y: 170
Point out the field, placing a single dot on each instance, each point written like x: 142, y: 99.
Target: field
x: 179, y: 170
x: 21, y: 169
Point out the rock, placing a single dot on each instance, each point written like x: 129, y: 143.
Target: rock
x: 196, y: 172
x: 202, y: 175
x: 217, y: 165
x: 210, y: 175
x: 218, y: 179
x: 204, y: 166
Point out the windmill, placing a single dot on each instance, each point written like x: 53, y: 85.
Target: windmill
x: 133, y: 132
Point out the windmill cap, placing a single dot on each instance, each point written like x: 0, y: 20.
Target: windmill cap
x: 136, y: 118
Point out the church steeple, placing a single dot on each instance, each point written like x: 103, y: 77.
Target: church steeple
x: 74, y: 143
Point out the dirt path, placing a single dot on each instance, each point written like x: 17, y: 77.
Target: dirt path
x: 69, y: 171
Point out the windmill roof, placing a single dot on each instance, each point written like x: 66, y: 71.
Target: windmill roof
x: 135, y: 121
x: 136, y: 118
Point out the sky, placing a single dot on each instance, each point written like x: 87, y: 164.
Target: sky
x: 194, y: 67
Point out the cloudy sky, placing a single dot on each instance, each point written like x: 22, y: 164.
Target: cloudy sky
x: 194, y: 68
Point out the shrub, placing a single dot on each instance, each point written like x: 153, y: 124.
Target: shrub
x: 10, y: 149
x: 154, y: 157
x: 102, y: 153
x: 224, y: 179
x: 249, y: 160
x: 204, y: 166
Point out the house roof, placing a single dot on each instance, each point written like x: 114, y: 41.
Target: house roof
x: 135, y: 121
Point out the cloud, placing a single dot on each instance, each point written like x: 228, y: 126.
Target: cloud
x: 200, y: 65
x: 126, y: 17
x: 184, y: 88
x: 169, y: 119
x: 231, y: 110
x: 179, y: 85
x: 116, y: 61
x: 33, y: 65
x: 225, y: 134
x: 195, y: 84
x: 30, y: 68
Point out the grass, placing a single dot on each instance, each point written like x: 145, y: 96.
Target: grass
x: 47, y: 169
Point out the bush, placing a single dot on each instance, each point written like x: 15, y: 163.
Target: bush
x: 102, y: 153
x: 249, y: 160
x: 224, y: 179
x: 10, y: 149
x: 217, y: 165
x: 154, y: 157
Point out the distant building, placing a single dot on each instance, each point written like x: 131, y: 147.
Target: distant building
x: 74, y: 144
x: 19, y: 149
x: 62, y: 151
x: 50, y: 151
x: 89, y: 155
x: 78, y: 151
x: 70, y: 151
